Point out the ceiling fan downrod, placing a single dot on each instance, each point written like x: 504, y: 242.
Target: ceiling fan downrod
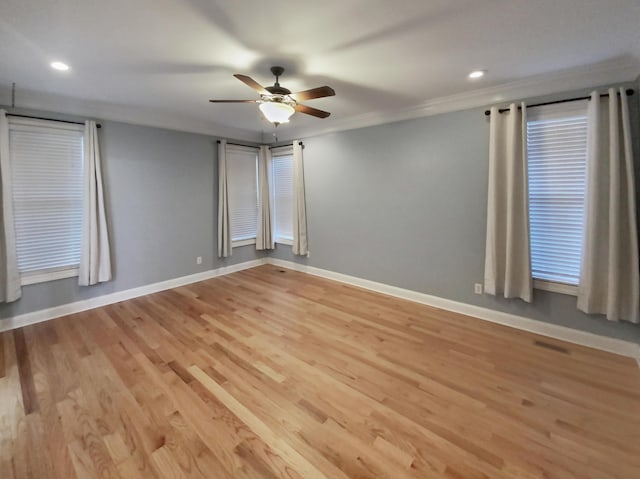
x: 277, y: 71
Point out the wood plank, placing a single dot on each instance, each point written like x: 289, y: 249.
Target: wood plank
x: 27, y: 385
x: 11, y: 407
x: 2, y: 364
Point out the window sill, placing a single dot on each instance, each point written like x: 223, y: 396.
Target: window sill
x: 554, y: 287
x: 45, y: 276
x: 244, y: 242
x: 288, y: 242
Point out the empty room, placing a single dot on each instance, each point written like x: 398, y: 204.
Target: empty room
x: 320, y: 240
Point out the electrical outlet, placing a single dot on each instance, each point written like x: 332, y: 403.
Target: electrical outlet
x: 199, y: 260
x: 477, y: 288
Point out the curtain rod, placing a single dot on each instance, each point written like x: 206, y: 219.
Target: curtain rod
x: 257, y: 147
x: 238, y: 144
x: 98, y: 125
x: 502, y: 110
x: 284, y: 146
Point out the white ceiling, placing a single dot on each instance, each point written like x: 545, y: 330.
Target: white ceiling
x: 158, y: 62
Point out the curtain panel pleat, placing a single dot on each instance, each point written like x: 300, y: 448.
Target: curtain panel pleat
x: 300, y: 245
x: 95, y: 255
x: 224, y: 223
x: 10, y: 289
x: 264, y: 232
x: 508, y: 257
x: 609, y: 278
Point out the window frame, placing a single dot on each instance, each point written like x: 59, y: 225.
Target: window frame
x: 550, y: 112
x: 44, y: 276
x: 555, y: 287
x: 285, y: 151
x: 252, y: 150
x: 46, y: 126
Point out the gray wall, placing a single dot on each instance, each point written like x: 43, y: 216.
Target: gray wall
x: 161, y: 196
x: 405, y: 204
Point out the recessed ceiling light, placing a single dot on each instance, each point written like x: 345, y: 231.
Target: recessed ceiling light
x: 477, y: 74
x: 63, y: 67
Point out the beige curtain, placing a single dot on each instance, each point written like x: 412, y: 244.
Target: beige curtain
x: 300, y: 245
x: 264, y: 232
x: 508, y: 259
x: 224, y: 222
x: 609, y: 279
x: 9, y: 275
x: 95, y: 255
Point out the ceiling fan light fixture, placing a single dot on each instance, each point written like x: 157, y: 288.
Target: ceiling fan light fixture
x: 276, y: 112
x: 277, y: 103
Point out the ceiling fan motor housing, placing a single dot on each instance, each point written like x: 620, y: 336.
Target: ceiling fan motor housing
x: 277, y: 90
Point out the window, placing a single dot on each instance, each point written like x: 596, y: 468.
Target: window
x: 46, y: 161
x: 557, y: 164
x: 283, y: 196
x: 242, y: 166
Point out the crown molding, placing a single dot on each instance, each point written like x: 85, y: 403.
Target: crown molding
x: 61, y: 104
x: 611, y: 72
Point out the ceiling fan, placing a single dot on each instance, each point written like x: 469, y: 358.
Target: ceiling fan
x: 277, y: 103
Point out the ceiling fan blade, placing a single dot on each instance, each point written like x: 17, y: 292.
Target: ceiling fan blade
x: 251, y: 83
x: 311, y: 111
x: 233, y: 101
x: 319, y: 92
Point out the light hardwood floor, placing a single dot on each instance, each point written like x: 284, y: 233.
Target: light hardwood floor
x: 270, y: 373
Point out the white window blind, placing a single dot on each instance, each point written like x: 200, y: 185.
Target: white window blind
x: 47, y: 161
x: 283, y: 196
x: 557, y: 162
x: 242, y: 168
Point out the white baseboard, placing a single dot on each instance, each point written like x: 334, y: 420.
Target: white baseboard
x: 583, y: 338
x: 617, y: 346
x: 83, y: 305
